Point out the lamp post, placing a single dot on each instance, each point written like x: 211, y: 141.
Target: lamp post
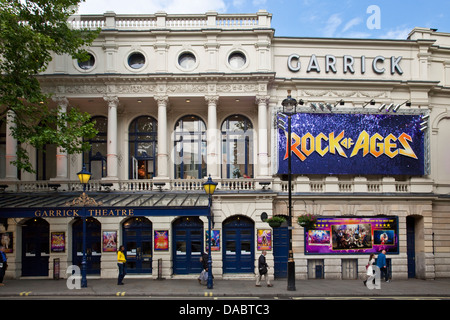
x: 84, y: 177
x: 290, y: 108
x: 209, y: 187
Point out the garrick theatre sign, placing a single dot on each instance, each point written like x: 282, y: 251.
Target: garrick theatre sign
x: 73, y: 213
x: 348, y: 63
x: 110, y: 205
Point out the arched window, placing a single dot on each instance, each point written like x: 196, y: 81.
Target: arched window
x: 190, y: 148
x: 95, y: 159
x: 237, y: 147
x: 143, y: 137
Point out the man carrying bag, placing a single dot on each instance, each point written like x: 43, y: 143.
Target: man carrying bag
x: 262, y: 268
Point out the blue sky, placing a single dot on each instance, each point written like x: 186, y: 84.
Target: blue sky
x: 383, y: 19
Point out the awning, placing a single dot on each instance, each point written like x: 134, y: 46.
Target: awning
x: 54, y: 205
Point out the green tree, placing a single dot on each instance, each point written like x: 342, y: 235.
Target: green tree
x: 29, y: 32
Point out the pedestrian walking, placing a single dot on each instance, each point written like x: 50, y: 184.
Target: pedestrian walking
x: 3, y: 264
x: 203, y: 278
x: 369, y: 269
x: 263, y: 270
x: 121, y: 263
x: 381, y: 263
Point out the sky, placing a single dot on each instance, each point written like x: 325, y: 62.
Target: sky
x: 372, y: 19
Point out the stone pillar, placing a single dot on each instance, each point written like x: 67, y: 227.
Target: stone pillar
x: 61, y: 154
x: 111, y: 156
x: 163, y: 155
x: 212, y: 137
x: 263, y: 140
x: 11, y: 148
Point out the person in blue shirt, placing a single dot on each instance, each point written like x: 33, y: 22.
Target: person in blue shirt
x: 381, y: 263
x: 3, y: 264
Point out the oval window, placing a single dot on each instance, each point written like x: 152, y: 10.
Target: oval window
x: 237, y: 60
x: 187, y: 60
x: 136, y: 60
x: 88, y: 64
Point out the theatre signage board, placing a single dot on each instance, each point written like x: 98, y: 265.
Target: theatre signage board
x: 353, y: 235
x: 363, y: 144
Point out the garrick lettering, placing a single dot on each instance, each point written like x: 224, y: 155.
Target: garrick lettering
x: 348, y: 64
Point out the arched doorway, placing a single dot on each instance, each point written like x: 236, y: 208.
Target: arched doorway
x: 35, y: 248
x: 137, y: 240
x: 93, y: 244
x: 187, y: 245
x: 239, y: 245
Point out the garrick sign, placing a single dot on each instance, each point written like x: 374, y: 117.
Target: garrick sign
x: 348, y: 64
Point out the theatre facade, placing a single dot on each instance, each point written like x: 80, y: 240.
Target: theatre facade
x: 178, y: 98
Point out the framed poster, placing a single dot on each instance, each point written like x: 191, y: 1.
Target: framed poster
x: 109, y: 241
x: 161, y: 240
x: 353, y: 235
x: 264, y: 238
x: 215, y: 240
x: 6, y: 239
x: 58, y: 241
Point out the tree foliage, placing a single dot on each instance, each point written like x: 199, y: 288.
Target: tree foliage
x: 29, y: 32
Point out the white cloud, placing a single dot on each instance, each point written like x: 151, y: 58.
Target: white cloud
x: 331, y: 25
x: 400, y: 33
x: 150, y: 7
x: 352, y: 23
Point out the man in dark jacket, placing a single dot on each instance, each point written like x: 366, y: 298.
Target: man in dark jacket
x: 262, y: 270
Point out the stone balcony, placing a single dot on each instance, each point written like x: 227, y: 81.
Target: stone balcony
x: 300, y: 184
x: 162, y: 20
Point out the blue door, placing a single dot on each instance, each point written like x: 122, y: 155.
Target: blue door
x: 280, y: 250
x: 411, y: 248
x: 188, y: 244
x: 137, y: 240
x: 93, y: 244
x: 238, y: 239
x: 35, y: 248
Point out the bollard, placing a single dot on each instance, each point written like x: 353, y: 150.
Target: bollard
x: 56, y: 268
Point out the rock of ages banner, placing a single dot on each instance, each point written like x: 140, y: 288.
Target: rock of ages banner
x: 387, y: 144
x: 352, y: 235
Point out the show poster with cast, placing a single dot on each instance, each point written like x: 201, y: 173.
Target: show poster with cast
x: 342, y: 235
x: 264, y: 239
x: 325, y: 143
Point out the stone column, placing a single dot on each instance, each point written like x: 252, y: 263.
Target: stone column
x: 212, y: 136
x: 11, y: 148
x: 111, y: 156
x: 263, y: 156
x: 61, y: 154
x: 163, y: 155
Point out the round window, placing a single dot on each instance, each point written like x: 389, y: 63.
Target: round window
x: 88, y: 64
x: 237, y: 60
x: 136, y: 60
x: 187, y: 60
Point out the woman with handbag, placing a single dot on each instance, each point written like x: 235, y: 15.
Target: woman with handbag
x: 262, y: 270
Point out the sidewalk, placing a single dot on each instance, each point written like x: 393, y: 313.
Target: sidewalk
x: 226, y: 288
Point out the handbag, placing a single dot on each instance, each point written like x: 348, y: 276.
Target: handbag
x: 263, y: 270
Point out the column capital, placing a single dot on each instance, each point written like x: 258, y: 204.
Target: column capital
x: 212, y: 99
x: 113, y: 101
x: 262, y: 99
x: 61, y: 101
x: 162, y: 100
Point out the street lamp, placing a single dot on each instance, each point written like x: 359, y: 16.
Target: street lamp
x: 290, y: 108
x: 210, y: 187
x: 84, y: 177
